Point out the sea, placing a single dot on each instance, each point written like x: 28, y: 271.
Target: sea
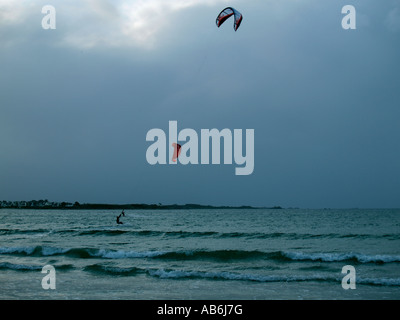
x: 210, y: 254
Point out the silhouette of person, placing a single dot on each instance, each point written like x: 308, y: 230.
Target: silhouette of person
x: 123, y: 213
x: 119, y: 222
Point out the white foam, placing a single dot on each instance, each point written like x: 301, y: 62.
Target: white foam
x: 13, y: 266
x: 49, y: 251
x: 121, y: 254
x: 380, y: 281
x: 332, y: 257
x: 180, y: 274
x: 10, y: 250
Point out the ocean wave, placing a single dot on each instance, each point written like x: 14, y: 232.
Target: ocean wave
x: 219, y: 255
x: 17, y: 250
x: 379, y: 281
x: 107, y: 232
x: 155, y: 233
x: 214, y: 254
x: 19, y: 267
x: 122, y: 254
x: 23, y: 231
x: 112, y: 231
x: 43, y: 251
x: 33, y: 251
x: 24, y: 267
x: 339, y: 257
x: 230, y: 276
x: 173, y: 274
x: 191, y: 274
x: 112, y: 271
x: 179, y: 255
x: 181, y: 274
x: 82, y: 253
x: 227, y: 255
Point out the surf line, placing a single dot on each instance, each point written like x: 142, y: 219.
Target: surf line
x: 189, y: 152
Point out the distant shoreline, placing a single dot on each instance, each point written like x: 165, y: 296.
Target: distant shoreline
x: 45, y: 204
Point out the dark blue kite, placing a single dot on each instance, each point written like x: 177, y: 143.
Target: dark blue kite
x: 227, y: 13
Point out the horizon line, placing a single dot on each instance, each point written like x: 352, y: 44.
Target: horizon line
x: 46, y: 204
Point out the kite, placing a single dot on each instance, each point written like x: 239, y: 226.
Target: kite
x: 227, y: 13
x: 177, y: 151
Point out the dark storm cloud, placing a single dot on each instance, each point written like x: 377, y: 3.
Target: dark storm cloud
x: 77, y: 102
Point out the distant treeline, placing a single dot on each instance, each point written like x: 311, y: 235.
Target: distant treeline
x: 45, y: 204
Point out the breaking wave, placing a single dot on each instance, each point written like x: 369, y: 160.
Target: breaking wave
x: 230, y: 276
x: 195, y: 234
x: 224, y: 255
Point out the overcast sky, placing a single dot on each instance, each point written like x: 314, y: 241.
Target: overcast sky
x: 77, y: 102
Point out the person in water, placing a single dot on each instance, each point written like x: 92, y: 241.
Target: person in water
x: 119, y: 222
x: 123, y: 213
